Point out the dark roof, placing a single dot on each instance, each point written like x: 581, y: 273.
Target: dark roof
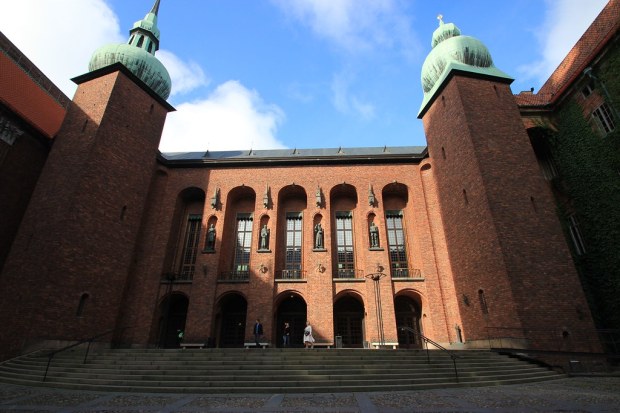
x: 600, y: 32
x: 386, y: 154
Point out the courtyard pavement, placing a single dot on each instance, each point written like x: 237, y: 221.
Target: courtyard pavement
x: 571, y: 395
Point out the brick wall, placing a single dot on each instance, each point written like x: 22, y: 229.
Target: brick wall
x: 79, y: 232
x: 502, y: 234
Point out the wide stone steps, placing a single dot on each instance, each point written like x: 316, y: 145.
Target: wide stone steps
x: 268, y: 370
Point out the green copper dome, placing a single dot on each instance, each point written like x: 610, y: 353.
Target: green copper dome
x: 443, y: 32
x: 138, y: 55
x: 452, y: 51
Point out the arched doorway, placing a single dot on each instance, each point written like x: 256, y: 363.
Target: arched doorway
x: 231, y: 319
x: 349, y: 321
x: 173, y: 310
x: 407, y: 315
x: 292, y: 309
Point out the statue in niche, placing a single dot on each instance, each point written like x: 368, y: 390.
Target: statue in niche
x: 374, y: 235
x: 210, y: 245
x: 264, y: 238
x: 318, y: 236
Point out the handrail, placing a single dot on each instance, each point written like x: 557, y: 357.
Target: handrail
x: 439, y: 346
x: 51, y: 355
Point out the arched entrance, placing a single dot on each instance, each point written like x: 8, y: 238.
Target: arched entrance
x: 230, y: 324
x: 173, y: 310
x: 349, y: 321
x: 292, y: 309
x: 407, y: 315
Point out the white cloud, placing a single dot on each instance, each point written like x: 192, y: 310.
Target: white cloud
x: 565, y: 21
x: 185, y: 76
x: 232, y: 117
x: 346, y: 102
x: 355, y: 25
x: 60, y: 36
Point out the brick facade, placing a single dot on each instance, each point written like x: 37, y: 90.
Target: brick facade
x: 107, y: 242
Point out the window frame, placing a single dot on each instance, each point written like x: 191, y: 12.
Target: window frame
x: 191, y: 241
x: 393, y: 233
x: 242, y: 253
x: 345, y: 260
x: 604, y: 118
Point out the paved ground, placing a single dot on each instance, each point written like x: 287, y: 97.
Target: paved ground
x: 574, y: 395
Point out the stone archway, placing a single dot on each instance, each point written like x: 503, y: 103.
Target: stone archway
x: 292, y: 309
x: 349, y: 321
x: 173, y: 310
x: 230, y: 320
x: 408, y: 313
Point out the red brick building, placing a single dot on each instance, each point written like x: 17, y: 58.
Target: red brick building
x: 459, y: 241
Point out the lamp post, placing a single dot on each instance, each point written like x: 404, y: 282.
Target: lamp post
x: 376, y: 277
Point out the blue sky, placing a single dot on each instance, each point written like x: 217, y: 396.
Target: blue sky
x: 267, y: 74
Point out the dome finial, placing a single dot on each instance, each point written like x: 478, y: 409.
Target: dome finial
x: 155, y: 8
x: 440, y: 18
x: 138, y: 54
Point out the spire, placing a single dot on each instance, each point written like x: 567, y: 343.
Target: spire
x: 155, y: 8
x: 138, y: 54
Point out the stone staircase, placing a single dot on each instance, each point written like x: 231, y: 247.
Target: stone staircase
x: 268, y: 370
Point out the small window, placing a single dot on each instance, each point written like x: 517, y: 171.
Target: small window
x: 575, y: 234
x: 604, y: 118
x: 150, y: 46
x: 140, y: 41
x: 587, y: 90
x: 483, y: 302
x: 82, y: 305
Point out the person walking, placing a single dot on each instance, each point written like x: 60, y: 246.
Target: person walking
x: 308, y: 338
x: 286, y: 335
x: 258, y: 332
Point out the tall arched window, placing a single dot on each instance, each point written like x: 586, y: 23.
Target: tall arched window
x: 190, y: 246
x: 243, y: 245
x: 396, y: 243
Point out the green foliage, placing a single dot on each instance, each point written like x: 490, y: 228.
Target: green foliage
x: 589, y: 165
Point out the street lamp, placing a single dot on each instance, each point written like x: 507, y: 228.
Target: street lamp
x: 376, y: 277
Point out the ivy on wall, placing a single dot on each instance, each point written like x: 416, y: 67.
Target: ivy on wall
x: 589, y: 166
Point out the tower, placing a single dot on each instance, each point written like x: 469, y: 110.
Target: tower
x: 69, y: 264
x: 512, y: 270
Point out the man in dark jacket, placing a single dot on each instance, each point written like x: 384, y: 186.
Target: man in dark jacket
x: 258, y: 332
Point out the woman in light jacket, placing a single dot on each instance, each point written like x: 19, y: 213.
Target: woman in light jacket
x: 308, y: 339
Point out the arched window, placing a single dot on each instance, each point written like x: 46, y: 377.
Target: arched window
x: 483, y: 302
x: 82, y: 305
x: 396, y: 244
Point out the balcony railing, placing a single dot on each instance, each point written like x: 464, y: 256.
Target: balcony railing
x: 234, y: 276
x: 291, y: 275
x: 406, y: 273
x: 348, y: 274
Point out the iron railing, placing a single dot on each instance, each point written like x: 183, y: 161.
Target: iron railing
x: 428, y: 341
x: 348, y: 274
x: 291, y: 275
x: 235, y: 276
x: 89, y: 340
x: 406, y: 273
